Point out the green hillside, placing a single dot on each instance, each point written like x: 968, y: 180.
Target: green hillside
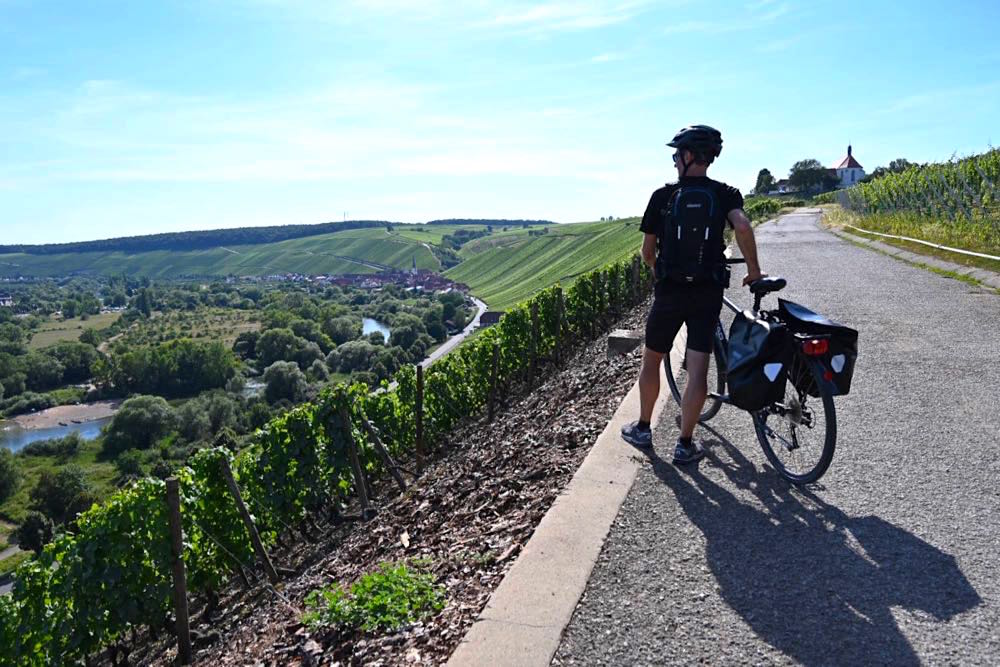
x: 340, y: 252
x: 508, y: 267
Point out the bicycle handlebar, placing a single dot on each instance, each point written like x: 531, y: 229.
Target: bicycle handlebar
x: 735, y: 260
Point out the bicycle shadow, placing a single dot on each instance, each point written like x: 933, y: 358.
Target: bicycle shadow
x: 813, y: 582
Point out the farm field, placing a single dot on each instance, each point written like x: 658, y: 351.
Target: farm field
x: 56, y: 331
x: 221, y: 324
x: 509, y: 267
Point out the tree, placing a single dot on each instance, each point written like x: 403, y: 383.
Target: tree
x: 10, y: 476
x: 900, y: 164
x: 43, y: 372
x: 285, y: 380
x: 278, y: 345
x: 62, y: 495
x: 342, y: 329
x: 76, y: 358
x: 811, y: 175
x: 434, y: 322
x: 765, y: 181
x: 34, y: 532
x: 139, y: 423
x: 129, y: 466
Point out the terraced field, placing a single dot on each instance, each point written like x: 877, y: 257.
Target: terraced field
x: 340, y: 252
x: 508, y: 267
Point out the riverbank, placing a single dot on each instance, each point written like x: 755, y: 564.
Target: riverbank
x: 67, y: 414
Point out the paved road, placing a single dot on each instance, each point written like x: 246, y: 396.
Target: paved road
x: 454, y: 341
x: 891, y: 559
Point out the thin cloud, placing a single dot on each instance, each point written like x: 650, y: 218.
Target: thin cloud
x: 751, y: 22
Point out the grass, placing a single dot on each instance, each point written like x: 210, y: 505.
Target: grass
x: 8, y: 565
x: 57, y: 330
x: 509, y: 267
x: 939, y: 232
x: 99, y: 472
x: 933, y: 269
x: 5, y: 530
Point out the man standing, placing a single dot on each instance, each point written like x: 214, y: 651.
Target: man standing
x: 683, y: 244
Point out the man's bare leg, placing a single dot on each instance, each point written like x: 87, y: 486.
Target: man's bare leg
x: 649, y: 383
x: 695, y: 393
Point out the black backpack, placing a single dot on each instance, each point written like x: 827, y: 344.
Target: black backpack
x: 692, y: 236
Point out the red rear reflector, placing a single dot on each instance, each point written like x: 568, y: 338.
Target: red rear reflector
x: 816, y: 347
x: 828, y: 376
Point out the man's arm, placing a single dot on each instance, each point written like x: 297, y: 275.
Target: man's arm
x: 748, y: 246
x: 648, y: 250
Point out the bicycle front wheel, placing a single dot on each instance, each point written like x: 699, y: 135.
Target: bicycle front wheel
x: 675, y: 366
x: 799, y: 434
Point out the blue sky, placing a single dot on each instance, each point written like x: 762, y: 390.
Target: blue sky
x: 123, y: 118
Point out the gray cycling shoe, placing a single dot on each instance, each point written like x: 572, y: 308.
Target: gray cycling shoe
x: 684, y: 455
x: 639, y: 437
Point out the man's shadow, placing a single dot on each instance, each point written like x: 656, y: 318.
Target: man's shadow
x: 808, y: 579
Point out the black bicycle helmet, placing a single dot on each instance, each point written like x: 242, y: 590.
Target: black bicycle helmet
x: 704, y: 141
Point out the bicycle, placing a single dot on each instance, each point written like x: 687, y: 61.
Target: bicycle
x: 791, y: 432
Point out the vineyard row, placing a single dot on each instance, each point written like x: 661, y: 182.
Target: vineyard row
x: 111, y: 575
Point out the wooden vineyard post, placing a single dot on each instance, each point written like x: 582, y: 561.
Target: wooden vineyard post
x: 420, y: 419
x: 352, y: 453
x: 494, y: 378
x: 559, y: 325
x: 179, y: 575
x: 533, y: 368
x: 634, y: 272
x: 258, y: 546
x: 383, y: 453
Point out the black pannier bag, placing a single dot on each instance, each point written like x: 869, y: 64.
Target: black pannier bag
x: 757, y: 367
x: 843, y: 346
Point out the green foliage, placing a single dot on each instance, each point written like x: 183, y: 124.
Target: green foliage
x: 34, y: 532
x: 284, y: 380
x: 962, y: 195
x: 110, y: 574
x: 176, y: 368
x: 760, y: 208
x: 765, y: 181
x: 141, y: 421
x: 63, y: 447
x: 62, y: 495
x: 10, y: 476
x: 392, y: 596
x: 811, y: 175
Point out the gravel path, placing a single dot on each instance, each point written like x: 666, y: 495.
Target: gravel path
x: 891, y: 559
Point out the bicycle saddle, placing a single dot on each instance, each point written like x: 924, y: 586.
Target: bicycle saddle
x: 769, y: 284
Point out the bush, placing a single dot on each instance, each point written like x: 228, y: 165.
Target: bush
x: 62, y: 447
x: 34, y: 532
x: 129, y: 466
x: 387, y: 599
x: 62, y: 495
x: 284, y: 380
x: 10, y: 476
x: 139, y: 423
x: 27, y: 402
x: 759, y: 208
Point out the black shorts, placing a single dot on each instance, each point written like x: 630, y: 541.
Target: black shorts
x: 701, y: 315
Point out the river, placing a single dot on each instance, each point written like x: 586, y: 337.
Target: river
x: 368, y: 325
x: 16, y: 438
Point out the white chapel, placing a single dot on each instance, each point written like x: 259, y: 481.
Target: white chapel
x: 848, y: 170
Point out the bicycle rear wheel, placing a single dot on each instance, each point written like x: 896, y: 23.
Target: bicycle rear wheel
x: 799, y: 434
x: 675, y: 366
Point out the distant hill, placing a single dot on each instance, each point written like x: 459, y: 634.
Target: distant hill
x: 218, y: 238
